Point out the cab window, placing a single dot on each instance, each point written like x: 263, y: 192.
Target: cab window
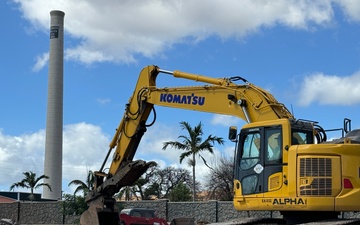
x: 300, y: 137
x: 250, y: 150
x: 273, y: 144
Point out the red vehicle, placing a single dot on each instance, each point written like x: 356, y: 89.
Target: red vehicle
x: 140, y: 216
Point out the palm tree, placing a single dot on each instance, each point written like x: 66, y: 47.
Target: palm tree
x: 124, y: 193
x: 86, y: 186
x: 32, y: 182
x: 193, y: 145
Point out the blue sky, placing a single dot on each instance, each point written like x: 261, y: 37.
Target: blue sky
x: 306, y: 53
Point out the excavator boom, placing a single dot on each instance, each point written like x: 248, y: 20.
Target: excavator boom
x: 217, y: 95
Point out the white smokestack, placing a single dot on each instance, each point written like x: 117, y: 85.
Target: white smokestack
x: 54, y: 119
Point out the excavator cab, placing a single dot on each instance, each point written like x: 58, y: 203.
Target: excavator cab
x: 258, y: 157
x: 261, y: 163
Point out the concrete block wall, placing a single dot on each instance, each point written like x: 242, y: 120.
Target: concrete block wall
x: 10, y: 210
x: 212, y: 211
x: 160, y: 206
x: 41, y: 212
x: 36, y: 213
x: 201, y: 211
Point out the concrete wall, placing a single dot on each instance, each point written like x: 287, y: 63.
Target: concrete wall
x: 212, y: 211
x: 35, y: 213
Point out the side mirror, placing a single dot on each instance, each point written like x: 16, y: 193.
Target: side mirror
x: 233, y: 133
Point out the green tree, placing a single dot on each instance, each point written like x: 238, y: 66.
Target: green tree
x: 163, y: 181
x: 126, y: 193
x: 180, y: 193
x: 74, y: 204
x: 153, y: 189
x: 193, y: 145
x: 86, y: 186
x: 31, y: 182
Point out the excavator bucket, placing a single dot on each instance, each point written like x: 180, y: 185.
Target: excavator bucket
x: 102, y: 206
x: 99, y: 215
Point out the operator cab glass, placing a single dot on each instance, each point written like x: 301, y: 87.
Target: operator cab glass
x: 273, y: 145
x: 302, y: 132
x: 300, y: 137
x: 250, y: 150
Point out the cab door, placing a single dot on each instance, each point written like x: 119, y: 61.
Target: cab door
x: 273, y: 163
x: 258, y: 157
x: 249, y: 161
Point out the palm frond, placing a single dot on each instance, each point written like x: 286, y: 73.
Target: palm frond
x: 184, y: 155
x: 191, y: 162
x: 43, y: 184
x: 174, y: 144
x: 205, y: 162
x: 85, y: 187
x: 40, y: 178
x: 77, y: 182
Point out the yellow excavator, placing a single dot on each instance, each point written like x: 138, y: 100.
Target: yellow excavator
x: 281, y: 163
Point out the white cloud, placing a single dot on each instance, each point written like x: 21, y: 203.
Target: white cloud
x: 103, y: 101
x: 84, y: 144
x: 351, y: 8
x: 41, y: 61
x: 19, y: 154
x: 330, y: 89
x: 119, y: 31
x: 225, y: 120
x: 86, y: 55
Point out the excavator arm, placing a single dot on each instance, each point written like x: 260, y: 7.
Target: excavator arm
x: 216, y: 95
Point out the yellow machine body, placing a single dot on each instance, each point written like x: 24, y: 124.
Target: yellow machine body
x: 309, y: 176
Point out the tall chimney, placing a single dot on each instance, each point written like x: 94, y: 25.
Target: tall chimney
x: 54, y: 117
